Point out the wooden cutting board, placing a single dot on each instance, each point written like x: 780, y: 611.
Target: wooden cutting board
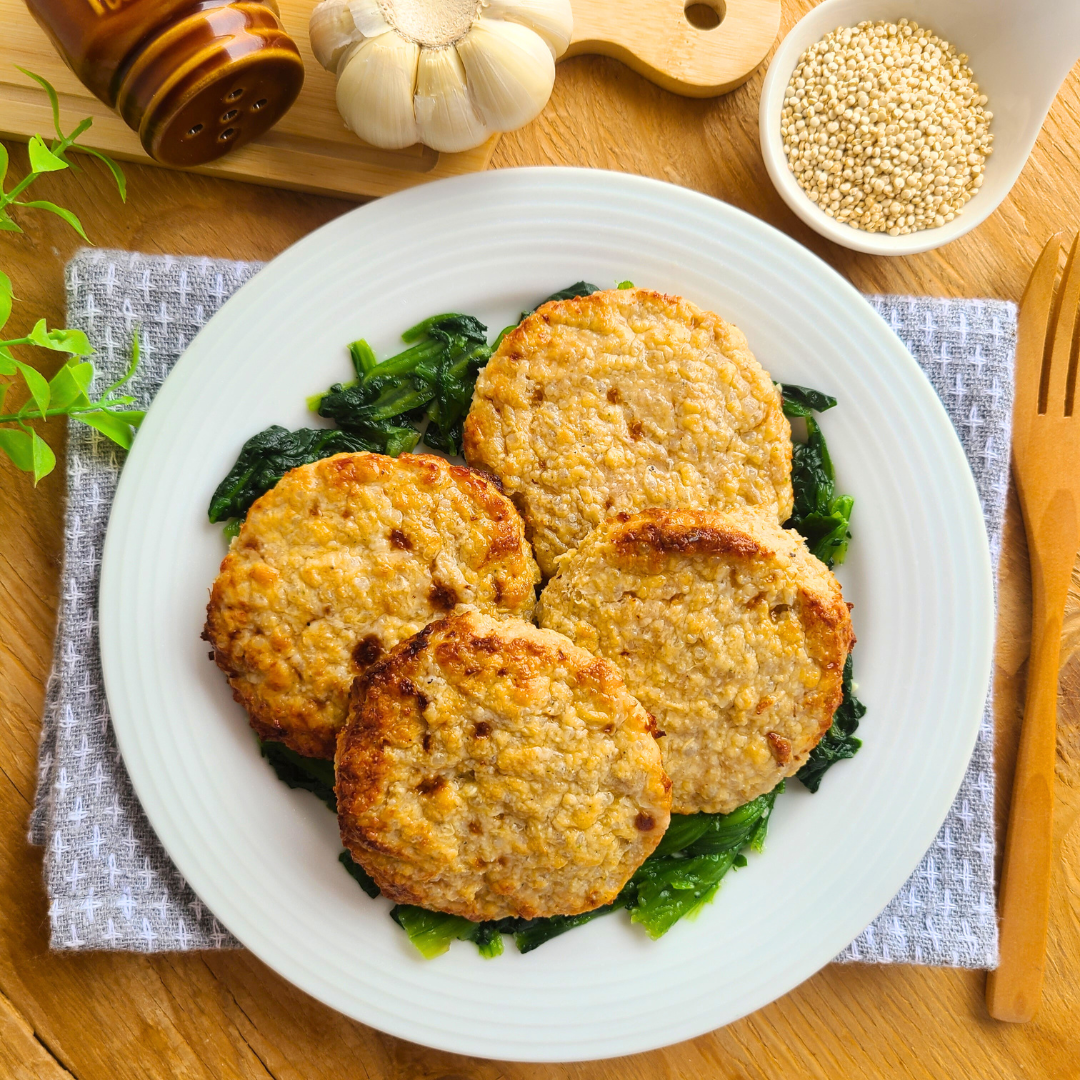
x: 311, y: 150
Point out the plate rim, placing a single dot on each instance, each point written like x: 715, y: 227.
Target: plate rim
x: 265, y: 280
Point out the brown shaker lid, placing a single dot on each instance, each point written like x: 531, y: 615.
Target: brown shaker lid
x: 211, y: 81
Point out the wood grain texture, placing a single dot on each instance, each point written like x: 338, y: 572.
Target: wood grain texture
x: 658, y: 40
x: 225, y: 1015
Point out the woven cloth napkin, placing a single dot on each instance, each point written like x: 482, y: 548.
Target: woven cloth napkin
x: 110, y: 883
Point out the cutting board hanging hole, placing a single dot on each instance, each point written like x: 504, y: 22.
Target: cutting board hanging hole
x: 705, y: 16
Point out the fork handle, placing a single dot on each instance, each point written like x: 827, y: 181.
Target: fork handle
x: 1014, y: 989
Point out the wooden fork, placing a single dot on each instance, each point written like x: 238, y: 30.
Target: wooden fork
x: 1046, y: 463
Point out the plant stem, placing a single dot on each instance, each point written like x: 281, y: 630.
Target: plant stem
x: 94, y: 406
x: 18, y: 189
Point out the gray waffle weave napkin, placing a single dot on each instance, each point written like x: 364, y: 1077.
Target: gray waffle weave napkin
x: 110, y: 883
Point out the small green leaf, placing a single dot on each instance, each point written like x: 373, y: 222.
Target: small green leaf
x: 3, y: 165
x: 83, y: 373
x: 69, y: 341
x: 6, y: 224
x: 7, y: 362
x: 54, y: 101
x: 68, y: 386
x: 5, y: 298
x: 59, y: 211
x: 37, y: 385
x: 43, y: 459
x: 116, y: 426
x: 19, y: 446
x: 117, y: 172
x: 42, y: 159
x: 625, y: 285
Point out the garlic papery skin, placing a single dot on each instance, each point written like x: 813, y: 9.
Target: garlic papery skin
x: 332, y: 32
x: 375, y: 91
x: 551, y: 19
x: 368, y: 17
x: 510, y: 72
x: 446, y: 118
x: 337, y: 25
x: 471, y: 67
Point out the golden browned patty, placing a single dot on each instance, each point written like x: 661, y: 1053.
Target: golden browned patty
x: 492, y: 769
x: 339, y: 562
x: 623, y: 400
x: 725, y: 628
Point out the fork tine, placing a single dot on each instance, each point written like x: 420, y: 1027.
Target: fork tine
x: 1033, y: 327
x: 1056, y: 379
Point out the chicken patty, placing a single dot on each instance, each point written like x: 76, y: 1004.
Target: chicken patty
x: 339, y: 562
x: 622, y: 400
x: 729, y: 632
x: 491, y: 769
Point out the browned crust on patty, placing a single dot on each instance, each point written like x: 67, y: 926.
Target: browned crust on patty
x: 662, y: 593
x: 656, y: 532
x: 489, y: 769
x: 338, y: 563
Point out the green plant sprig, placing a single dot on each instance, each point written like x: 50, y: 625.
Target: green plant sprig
x: 67, y: 392
x: 51, y: 158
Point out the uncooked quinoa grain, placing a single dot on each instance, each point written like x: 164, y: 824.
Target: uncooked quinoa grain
x: 885, y: 129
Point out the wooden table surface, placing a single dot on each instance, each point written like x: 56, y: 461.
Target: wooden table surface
x: 217, y: 1015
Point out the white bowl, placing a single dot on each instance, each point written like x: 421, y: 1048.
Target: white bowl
x: 1019, y: 52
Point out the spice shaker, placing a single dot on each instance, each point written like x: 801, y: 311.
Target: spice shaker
x: 195, y: 78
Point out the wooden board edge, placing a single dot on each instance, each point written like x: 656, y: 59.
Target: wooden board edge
x: 258, y: 162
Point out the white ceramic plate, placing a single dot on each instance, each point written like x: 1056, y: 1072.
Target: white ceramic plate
x: 265, y: 858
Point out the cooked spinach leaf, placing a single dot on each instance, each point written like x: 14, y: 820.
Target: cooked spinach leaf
x: 308, y: 774
x: 802, y: 401
x: 819, y: 514
x: 839, y: 741
x: 685, y: 871
x: 530, y: 934
x: 359, y: 875
x: 579, y: 288
x: 824, y: 520
x: 431, y: 381
x: 433, y: 931
x: 268, y: 456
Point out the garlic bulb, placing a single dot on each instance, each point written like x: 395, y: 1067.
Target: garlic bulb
x: 447, y: 73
